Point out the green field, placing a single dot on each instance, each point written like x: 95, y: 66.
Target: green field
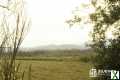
x: 57, y: 70
x: 62, y: 67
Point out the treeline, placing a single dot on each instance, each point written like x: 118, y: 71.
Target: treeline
x: 72, y: 52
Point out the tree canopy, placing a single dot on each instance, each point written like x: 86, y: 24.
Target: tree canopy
x: 105, y: 19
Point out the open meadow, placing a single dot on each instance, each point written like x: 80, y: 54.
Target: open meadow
x: 57, y: 67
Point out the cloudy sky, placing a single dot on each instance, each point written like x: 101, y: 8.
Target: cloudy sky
x: 48, y: 25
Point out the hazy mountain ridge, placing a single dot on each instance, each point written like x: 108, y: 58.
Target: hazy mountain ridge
x: 57, y: 47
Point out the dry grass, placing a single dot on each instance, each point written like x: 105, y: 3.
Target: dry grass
x: 57, y: 70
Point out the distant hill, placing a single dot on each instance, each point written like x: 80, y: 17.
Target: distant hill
x: 57, y: 47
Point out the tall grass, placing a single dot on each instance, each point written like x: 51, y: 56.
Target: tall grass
x: 10, y: 69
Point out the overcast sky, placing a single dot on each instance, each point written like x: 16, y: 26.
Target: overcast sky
x: 48, y: 25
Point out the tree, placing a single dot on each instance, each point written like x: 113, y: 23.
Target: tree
x: 13, y: 28
x: 105, y: 19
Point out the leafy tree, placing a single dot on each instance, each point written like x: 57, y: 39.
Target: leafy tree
x: 105, y: 18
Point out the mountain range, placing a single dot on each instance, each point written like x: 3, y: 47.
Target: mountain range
x: 57, y: 47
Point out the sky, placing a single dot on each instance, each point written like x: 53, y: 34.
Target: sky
x: 48, y: 25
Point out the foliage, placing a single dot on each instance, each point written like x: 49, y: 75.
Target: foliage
x: 106, y: 19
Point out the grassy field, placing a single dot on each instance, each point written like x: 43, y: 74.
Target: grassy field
x: 57, y: 70
x: 57, y: 67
